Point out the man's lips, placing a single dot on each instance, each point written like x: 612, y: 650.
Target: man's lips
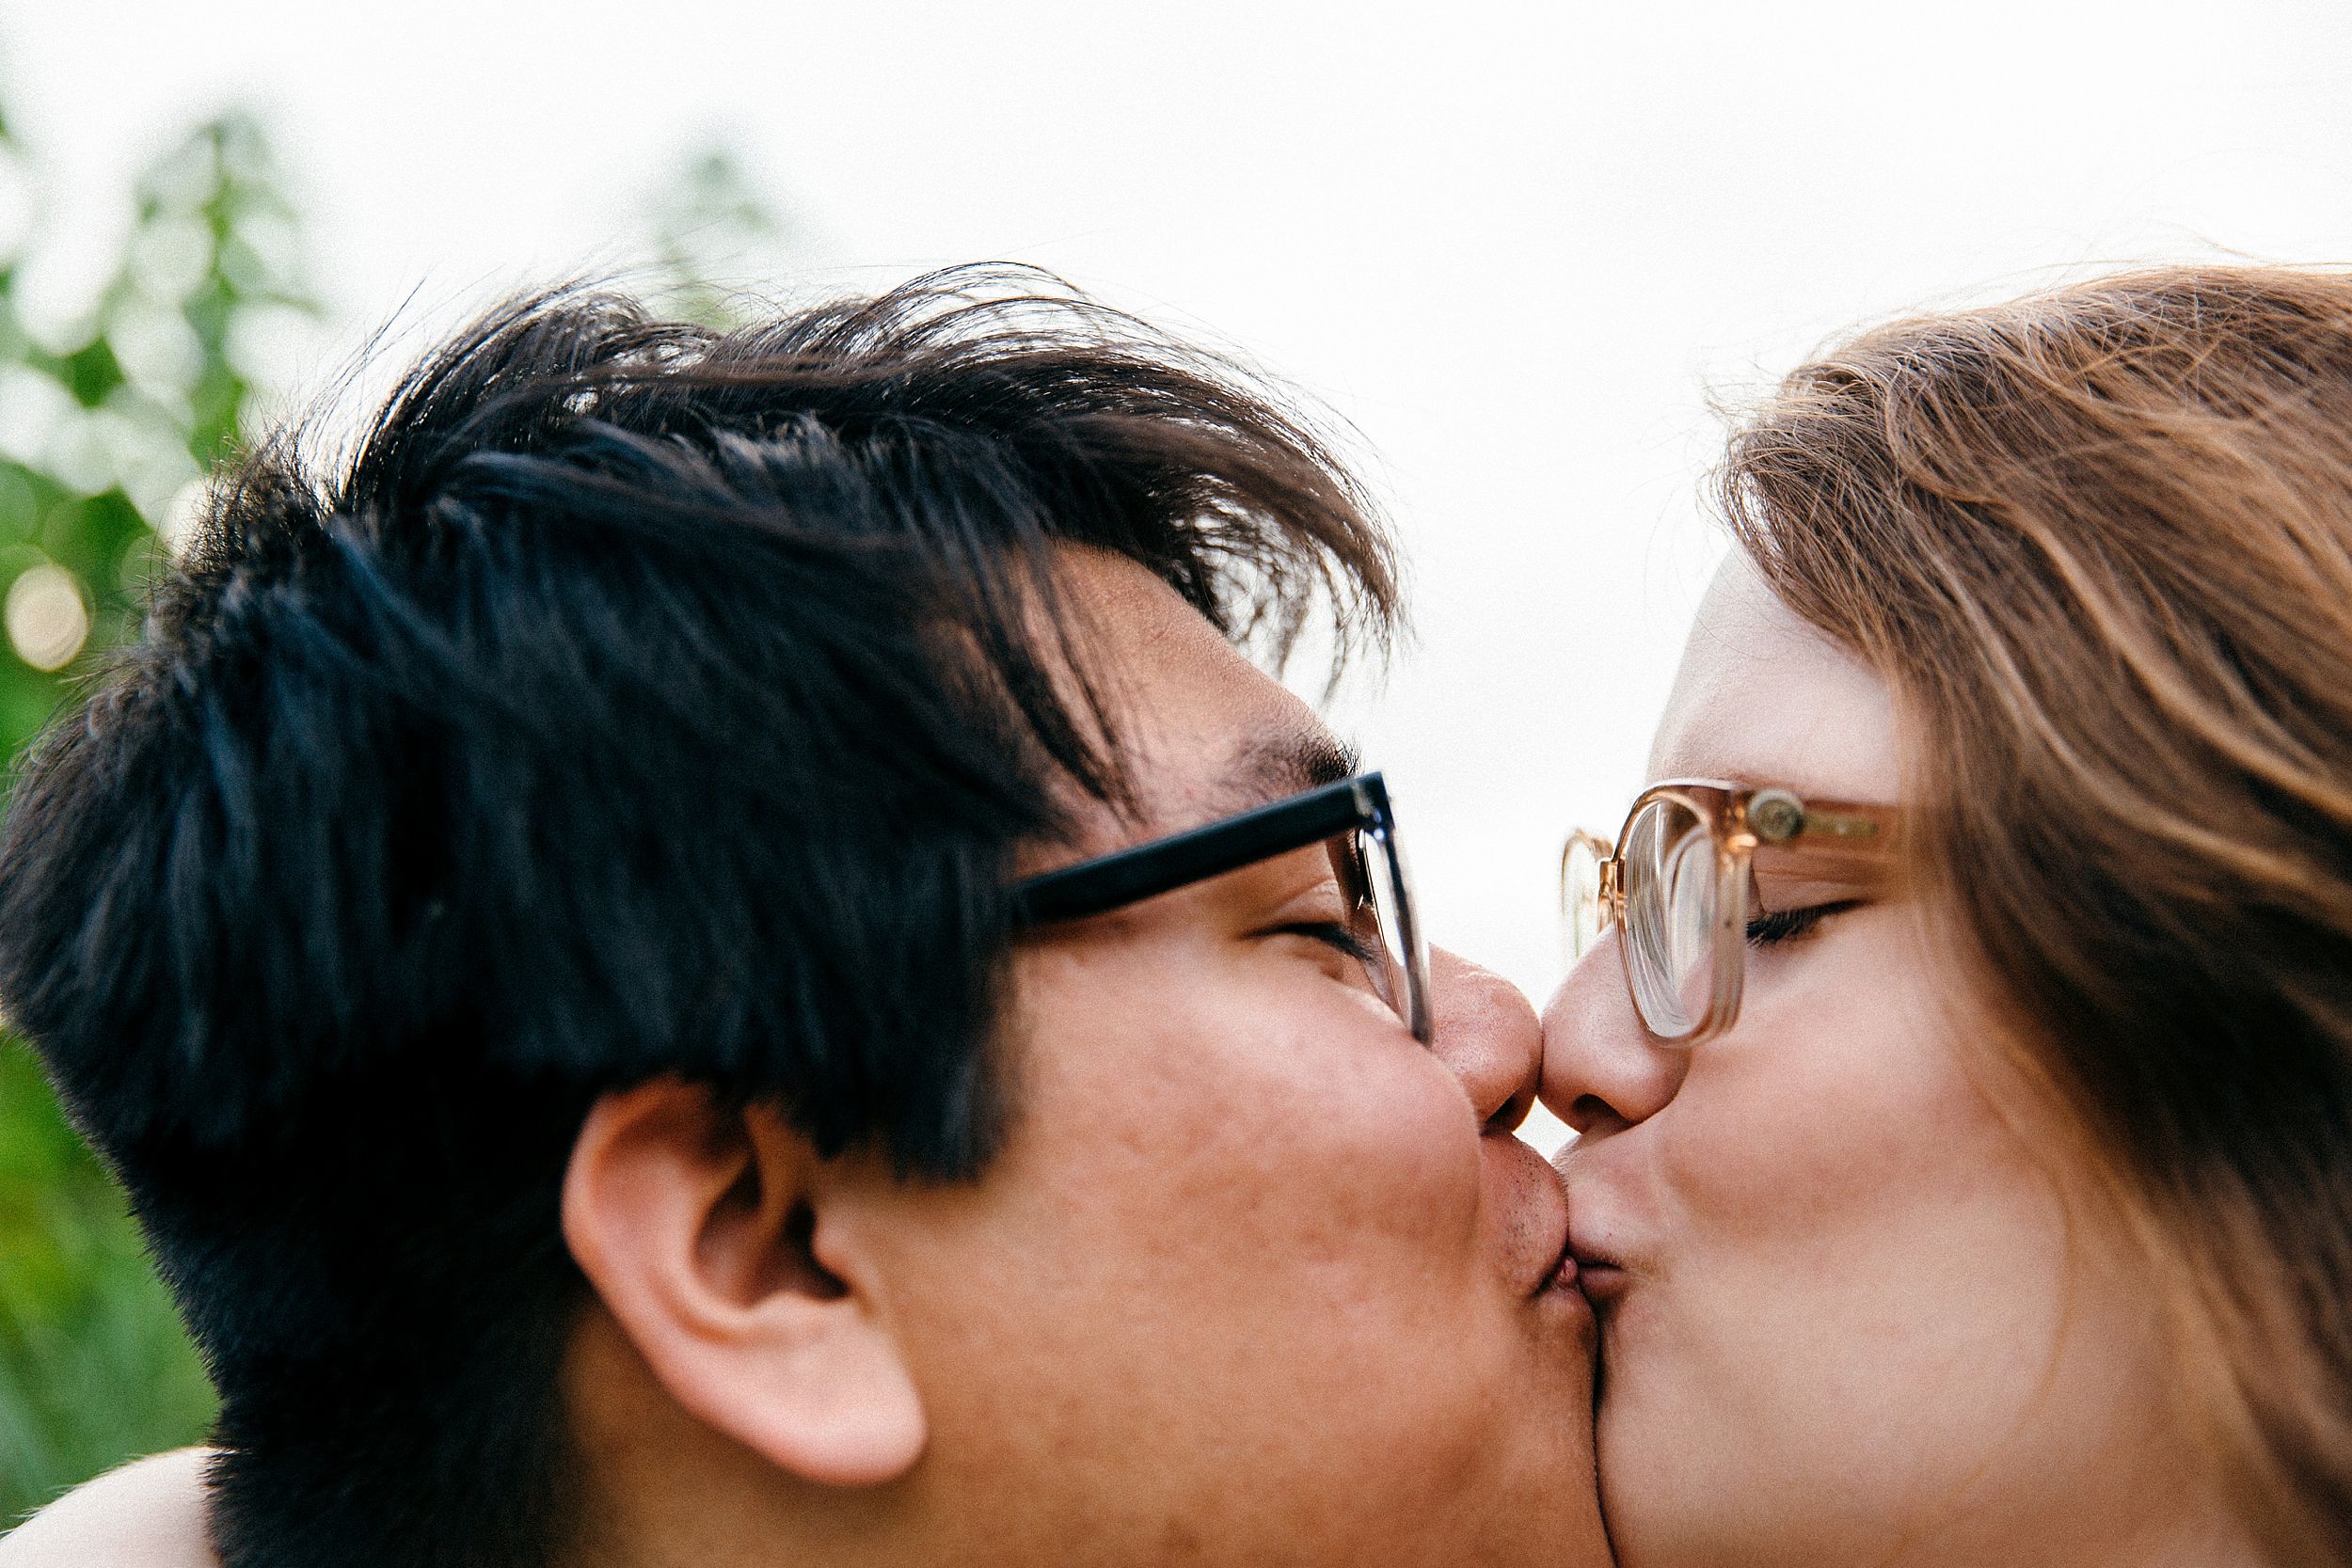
x: 1564, y: 1275
x: 1559, y: 1266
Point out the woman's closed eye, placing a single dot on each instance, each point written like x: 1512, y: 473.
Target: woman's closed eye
x: 1777, y: 927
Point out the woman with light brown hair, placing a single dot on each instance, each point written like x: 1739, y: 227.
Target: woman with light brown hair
x: 1966, y: 1092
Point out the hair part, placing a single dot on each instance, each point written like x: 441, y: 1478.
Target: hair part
x: 639, y: 698
x: 2100, y: 541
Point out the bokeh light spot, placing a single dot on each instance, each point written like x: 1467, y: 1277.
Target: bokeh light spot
x: 48, y: 619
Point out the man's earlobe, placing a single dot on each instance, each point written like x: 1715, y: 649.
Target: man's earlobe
x: 704, y: 1231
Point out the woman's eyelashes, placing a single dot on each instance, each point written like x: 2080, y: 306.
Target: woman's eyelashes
x: 1775, y: 928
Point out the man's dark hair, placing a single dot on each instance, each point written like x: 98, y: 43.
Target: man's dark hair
x: 640, y: 698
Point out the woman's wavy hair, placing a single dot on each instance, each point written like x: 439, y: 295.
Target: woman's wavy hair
x: 2100, y: 542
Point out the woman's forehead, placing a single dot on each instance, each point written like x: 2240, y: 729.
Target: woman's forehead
x: 1762, y: 697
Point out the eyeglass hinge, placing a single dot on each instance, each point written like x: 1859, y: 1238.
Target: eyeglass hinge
x: 1775, y: 815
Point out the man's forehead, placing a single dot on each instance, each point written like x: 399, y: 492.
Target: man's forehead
x: 1207, y: 731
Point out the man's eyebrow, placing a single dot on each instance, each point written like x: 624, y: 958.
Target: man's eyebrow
x: 1285, y: 762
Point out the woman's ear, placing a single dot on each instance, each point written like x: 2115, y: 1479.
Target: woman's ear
x: 703, y: 1229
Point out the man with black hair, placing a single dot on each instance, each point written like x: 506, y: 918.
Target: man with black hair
x: 710, y: 955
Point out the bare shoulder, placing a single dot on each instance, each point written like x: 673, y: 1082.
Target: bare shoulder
x: 147, y: 1515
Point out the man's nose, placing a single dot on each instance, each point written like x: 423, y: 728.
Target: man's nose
x: 1486, y: 1032
x: 1602, y: 1071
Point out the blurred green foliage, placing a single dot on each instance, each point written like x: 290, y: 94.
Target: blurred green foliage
x: 93, y: 1366
x: 111, y: 412
x: 709, y: 222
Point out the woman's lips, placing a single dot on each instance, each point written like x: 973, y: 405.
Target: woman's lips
x: 1598, y: 1274
x: 1602, y: 1283
x: 1563, y: 1294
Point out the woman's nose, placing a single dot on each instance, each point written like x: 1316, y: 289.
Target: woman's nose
x: 1602, y: 1071
x: 1486, y: 1032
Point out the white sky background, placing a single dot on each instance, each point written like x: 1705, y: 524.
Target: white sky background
x: 1515, y: 245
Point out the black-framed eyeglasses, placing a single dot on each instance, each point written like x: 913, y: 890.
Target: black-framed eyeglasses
x: 1354, y: 822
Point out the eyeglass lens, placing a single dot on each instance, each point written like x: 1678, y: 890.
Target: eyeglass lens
x: 1362, y: 875
x: 1670, y: 915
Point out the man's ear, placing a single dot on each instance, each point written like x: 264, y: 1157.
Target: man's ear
x: 703, y: 1229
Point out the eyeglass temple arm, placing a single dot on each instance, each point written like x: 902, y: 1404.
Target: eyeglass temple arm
x: 1780, y: 816
x: 1128, y: 876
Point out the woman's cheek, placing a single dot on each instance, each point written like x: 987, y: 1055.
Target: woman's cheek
x: 1838, y: 1101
